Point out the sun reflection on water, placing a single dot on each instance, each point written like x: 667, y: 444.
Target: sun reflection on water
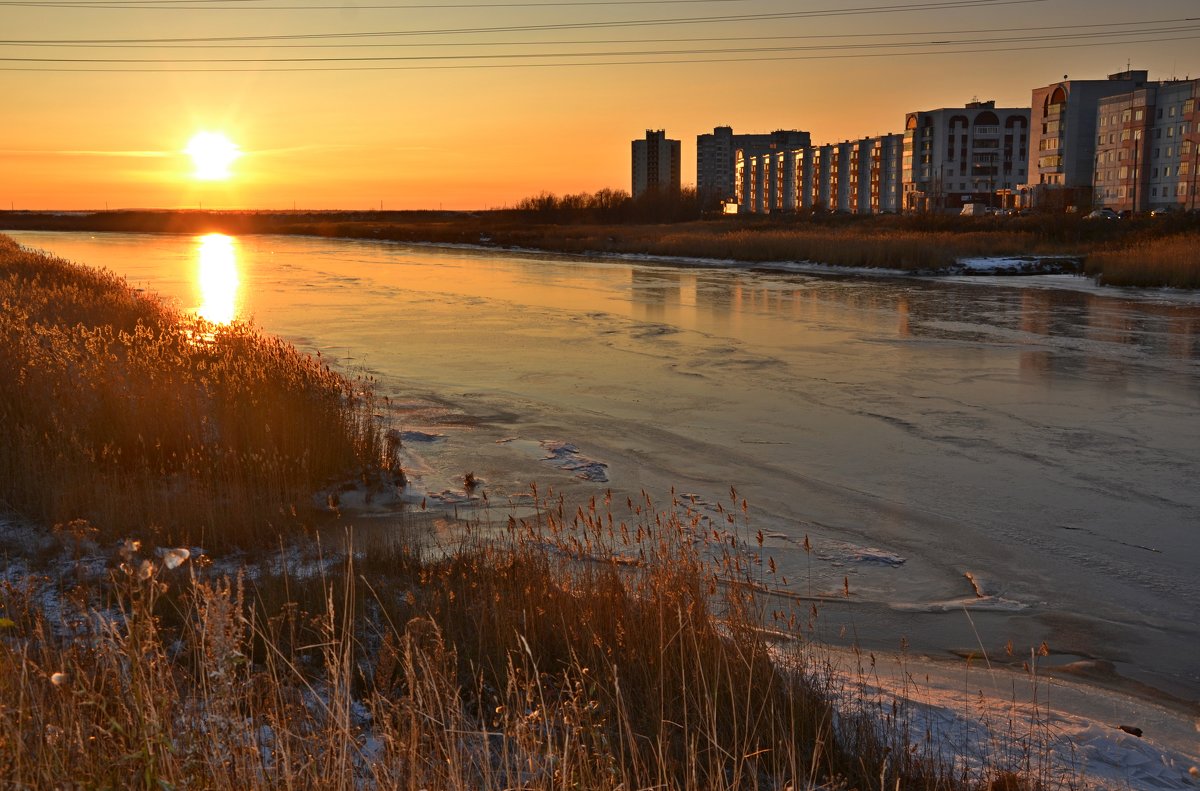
x: 217, y: 278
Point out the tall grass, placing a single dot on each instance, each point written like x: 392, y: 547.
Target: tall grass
x: 116, y: 409
x: 1172, y: 261
x: 618, y: 647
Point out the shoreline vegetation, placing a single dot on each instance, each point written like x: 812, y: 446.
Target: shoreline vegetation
x: 599, y: 645
x: 1144, y: 251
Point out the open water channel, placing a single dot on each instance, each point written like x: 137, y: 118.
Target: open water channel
x: 982, y: 459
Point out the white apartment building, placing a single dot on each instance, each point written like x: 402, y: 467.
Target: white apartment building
x: 973, y: 154
x: 716, y: 157
x: 852, y: 177
x: 1147, y: 148
x: 1063, y: 135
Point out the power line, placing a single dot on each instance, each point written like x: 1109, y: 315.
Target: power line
x: 439, y: 6
x: 414, y: 6
x: 614, y: 53
x: 921, y: 6
x: 429, y: 67
x: 924, y: 6
x: 571, y: 42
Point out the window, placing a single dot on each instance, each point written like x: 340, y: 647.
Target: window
x: 1160, y: 112
x: 1170, y: 151
x: 1170, y: 131
x: 1137, y: 116
x: 1172, y: 112
x: 1167, y: 172
x: 1125, y: 116
x: 1154, y: 192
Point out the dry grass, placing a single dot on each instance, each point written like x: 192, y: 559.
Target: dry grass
x: 1172, y: 261
x: 120, y: 411
x: 612, y: 648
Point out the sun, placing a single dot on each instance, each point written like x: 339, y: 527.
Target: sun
x: 212, y: 153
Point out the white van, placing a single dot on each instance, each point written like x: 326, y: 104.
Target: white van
x: 974, y: 209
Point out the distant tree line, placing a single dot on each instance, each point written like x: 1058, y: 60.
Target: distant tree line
x: 612, y: 206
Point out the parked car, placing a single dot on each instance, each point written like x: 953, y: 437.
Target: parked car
x: 1103, y: 214
x: 1162, y: 211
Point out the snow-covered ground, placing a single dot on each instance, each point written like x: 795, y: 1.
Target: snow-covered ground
x: 1034, y: 723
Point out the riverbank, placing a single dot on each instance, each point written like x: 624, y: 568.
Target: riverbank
x: 1143, y: 251
x: 306, y: 580
x: 526, y: 656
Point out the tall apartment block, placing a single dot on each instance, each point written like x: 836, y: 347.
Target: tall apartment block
x: 656, y: 164
x: 855, y: 176
x: 716, y: 157
x: 974, y: 154
x: 1062, y: 150
x: 1147, y: 148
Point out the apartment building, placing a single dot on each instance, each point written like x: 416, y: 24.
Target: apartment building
x: 1064, y: 134
x: 1147, y: 148
x: 716, y: 157
x: 972, y: 154
x: 656, y: 164
x: 853, y: 177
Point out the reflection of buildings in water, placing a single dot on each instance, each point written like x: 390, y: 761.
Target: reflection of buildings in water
x: 1035, y: 320
x: 1109, y: 321
x: 902, y: 327
x: 217, y: 278
x: 653, y: 290
x: 1182, y: 337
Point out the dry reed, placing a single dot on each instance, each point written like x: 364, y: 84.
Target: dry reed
x: 118, y: 410
x: 611, y: 648
x: 1172, y: 261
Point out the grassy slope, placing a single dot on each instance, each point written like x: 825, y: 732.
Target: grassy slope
x: 124, y: 413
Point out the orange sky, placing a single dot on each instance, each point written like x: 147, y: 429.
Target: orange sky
x: 486, y: 135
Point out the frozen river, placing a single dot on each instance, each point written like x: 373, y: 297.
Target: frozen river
x: 986, y: 459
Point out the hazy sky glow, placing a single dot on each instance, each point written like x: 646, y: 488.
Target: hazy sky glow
x: 346, y: 104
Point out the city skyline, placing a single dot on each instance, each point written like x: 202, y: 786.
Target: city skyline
x: 441, y: 129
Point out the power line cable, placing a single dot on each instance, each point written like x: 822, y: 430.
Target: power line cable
x: 571, y: 42
x: 921, y: 6
x: 431, y: 67
x: 414, y: 6
x: 610, y: 53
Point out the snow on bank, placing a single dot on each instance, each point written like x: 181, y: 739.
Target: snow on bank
x: 1017, y: 265
x: 1045, y: 728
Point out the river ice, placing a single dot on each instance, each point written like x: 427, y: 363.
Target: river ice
x: 1040, y: 434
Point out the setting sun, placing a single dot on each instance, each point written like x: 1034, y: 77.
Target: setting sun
x: 212, y: 153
